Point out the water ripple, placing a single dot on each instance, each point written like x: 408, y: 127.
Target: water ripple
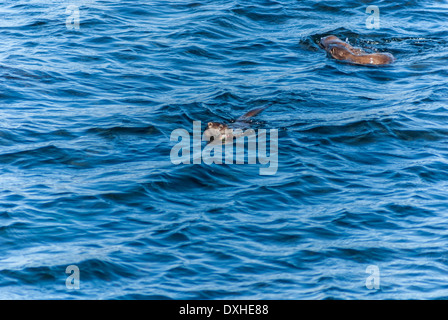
x: 87, y: 179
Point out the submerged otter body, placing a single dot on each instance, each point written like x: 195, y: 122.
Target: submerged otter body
x: 341, y: 50
x: 217, y: 132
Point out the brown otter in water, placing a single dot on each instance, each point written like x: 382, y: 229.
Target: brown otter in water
x: 341, y: 50
x: 217, y: 131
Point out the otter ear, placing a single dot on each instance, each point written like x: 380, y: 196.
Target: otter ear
x: 210, y: 124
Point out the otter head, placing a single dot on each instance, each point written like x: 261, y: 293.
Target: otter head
x: 339, y: 52
x: 215, y: 131
x: 216, y: 126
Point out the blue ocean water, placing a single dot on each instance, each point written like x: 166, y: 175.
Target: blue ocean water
x: 88, y: 106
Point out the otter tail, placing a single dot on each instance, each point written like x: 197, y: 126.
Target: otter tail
x: 251, y: 113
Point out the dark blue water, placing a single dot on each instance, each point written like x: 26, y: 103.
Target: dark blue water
x: 87, y: 180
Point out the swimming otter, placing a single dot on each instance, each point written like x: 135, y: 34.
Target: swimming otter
x: 341, y: 50
x: 217, y: 132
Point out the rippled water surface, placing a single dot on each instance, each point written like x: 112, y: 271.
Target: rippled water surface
x: 86, y: 177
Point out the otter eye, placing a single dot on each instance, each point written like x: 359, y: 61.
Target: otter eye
x: 221, y: 126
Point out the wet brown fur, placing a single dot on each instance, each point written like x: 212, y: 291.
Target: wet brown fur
x: 341, y: 50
